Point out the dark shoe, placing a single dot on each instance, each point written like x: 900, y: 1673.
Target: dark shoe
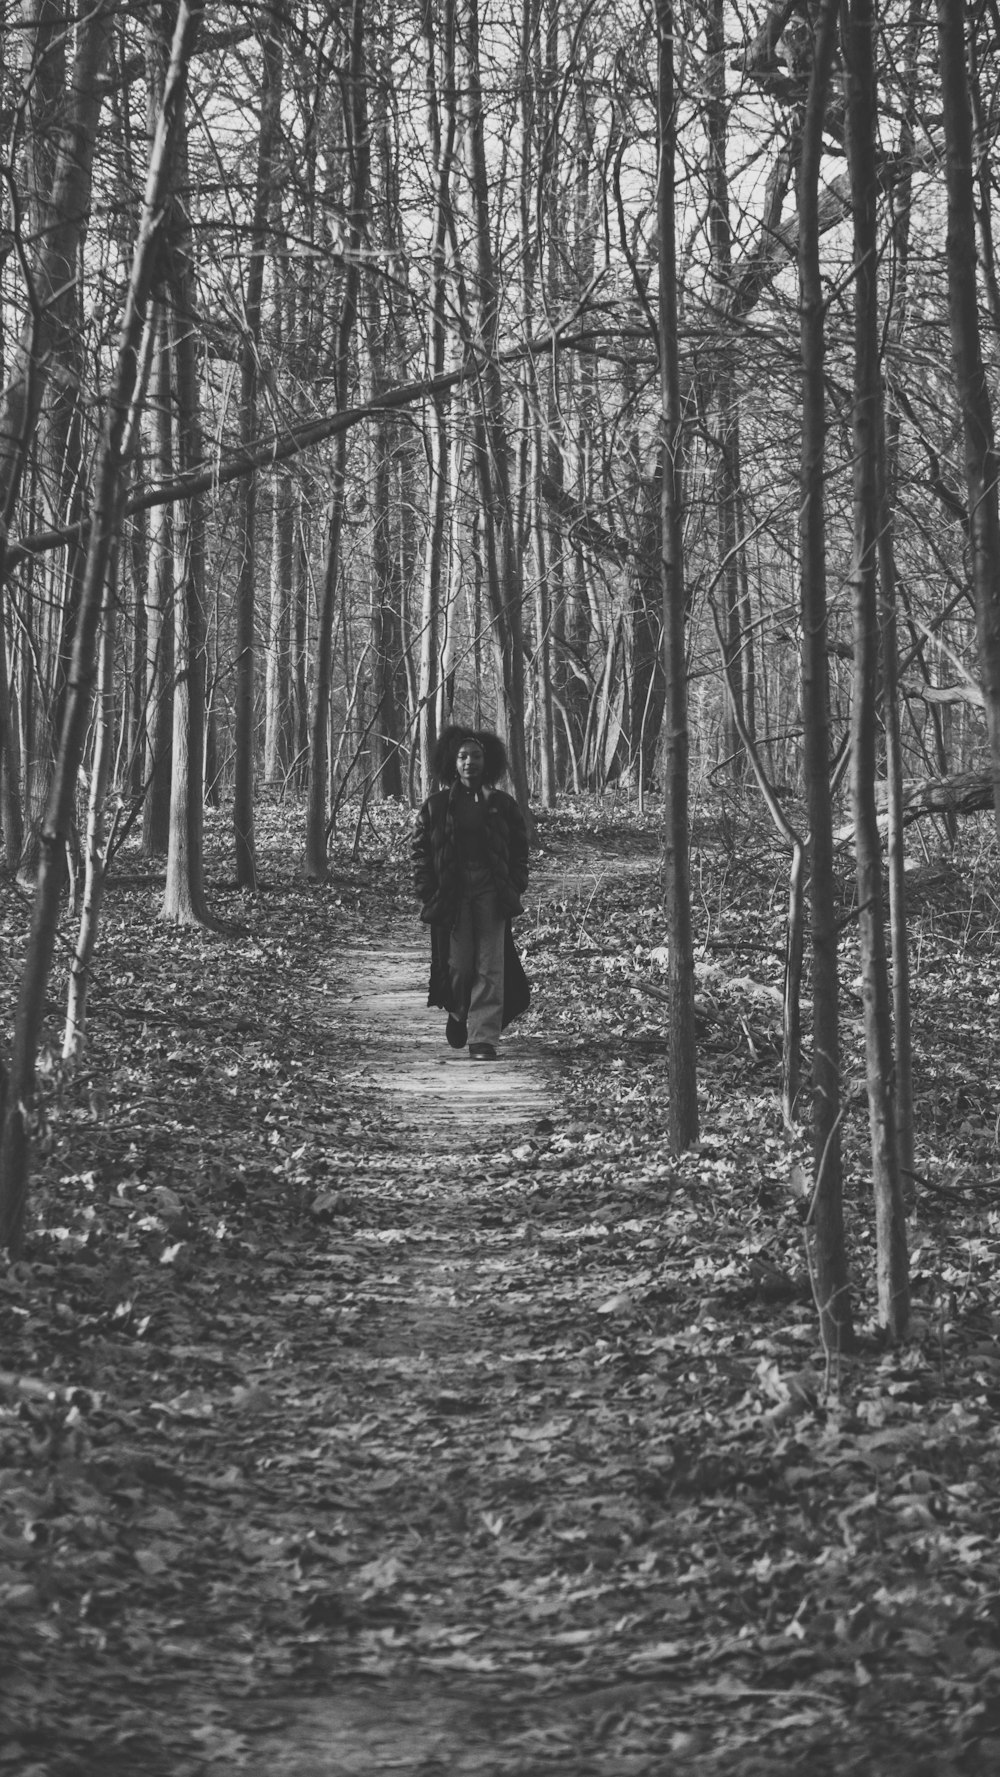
x: 456, y: 1032
x: 482, y: 1052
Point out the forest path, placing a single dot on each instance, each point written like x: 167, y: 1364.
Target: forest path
x: 386, y: 1413
x: 438, y: 1094
x: 450, y: 1408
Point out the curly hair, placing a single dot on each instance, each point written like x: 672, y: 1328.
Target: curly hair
x: 449, y: 744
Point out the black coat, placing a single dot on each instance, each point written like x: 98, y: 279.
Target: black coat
x: 437, y: 874
x: 437, y: 880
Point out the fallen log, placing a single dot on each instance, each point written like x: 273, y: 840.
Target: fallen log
x: 969, y: 792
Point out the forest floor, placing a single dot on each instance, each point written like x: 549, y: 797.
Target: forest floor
x: 363, y: 1410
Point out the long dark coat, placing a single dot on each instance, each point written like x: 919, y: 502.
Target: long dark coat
x: 437, y: 881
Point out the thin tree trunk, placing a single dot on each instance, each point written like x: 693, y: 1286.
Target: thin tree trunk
x: 14, y: 1147
x: 832, y: 1288
x: 896, y: 839
x: 892, y: 1265
x: 133, y: 738
x: 301, y: 587
x: 277, y: 739
x: 11, y: 822
x: 279, y: 726
x: 95, y: 859
x: 443, y: 123
x: 386, y: 727
x: 543, y: 635
x: 246, y: 518
x: 63, y: 134
x: 387, y: 641
x: 184, y: 901
x: 981, y: 461
x: 896, y: 842
x: 318, y: 809
x: 681, y: 1045
x: 159, y: 614
x: 724, y: 398
x: 505, y: 577
x: 539, y: 198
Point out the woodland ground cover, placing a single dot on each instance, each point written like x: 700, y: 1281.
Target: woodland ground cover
x: 321, y: 1444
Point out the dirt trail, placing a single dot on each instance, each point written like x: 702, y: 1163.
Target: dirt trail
x: 430, y: 1351
x: 438, y: 1094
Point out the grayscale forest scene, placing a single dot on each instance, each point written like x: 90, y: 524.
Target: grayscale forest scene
x: 499, y: 888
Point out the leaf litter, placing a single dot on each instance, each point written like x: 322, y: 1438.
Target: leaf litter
x: 337, y: 1435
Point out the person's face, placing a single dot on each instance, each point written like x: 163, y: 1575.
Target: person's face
x: 470, y: 763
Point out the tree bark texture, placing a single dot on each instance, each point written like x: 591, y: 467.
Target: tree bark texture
x: 681, y: 1045
x: 159, y: 594
x: 356, y: 123
x: 244, y: 711
x: 105, y: 517
x: 831, y: 1282
x: 892, y: 1265
x: 35, y: 423
x: 184, y: 901
x: 981, y: 460
x: 723, y: 403
x: 505, y: 577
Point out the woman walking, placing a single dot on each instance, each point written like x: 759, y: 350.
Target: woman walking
x: 470, y: 869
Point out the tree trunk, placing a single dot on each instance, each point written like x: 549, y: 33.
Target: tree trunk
x: 681, y: 1044
x: 38, y: 408
x: 831, y: 1281
x: 646, y: 686
x: 504, y: 568
x: 246, y: 515
x: 184, y: 901
x: 105, y: 519
x: 388, y: 714
x: 279, y: 714
x: 981, y: 461
x: 540, y: 198
x: 430, y: 609
x: 11, y: 820
x: 301, y: 590
x: 133, y: 736
x: 543, y: 636
x: 724, y: 403
x: 356, y: 124
x: 159, y: 614
x: 95, y: 858
x: 857, y: 33
x: 278, y: 741
x: 896, y: 843
x: 443, y: 123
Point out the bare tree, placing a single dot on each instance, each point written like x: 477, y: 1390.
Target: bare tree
x: 857, y: 34
x: 981, y: 461
x: 504, y: 561
x: 246, y: 584
x: 105, y: 516
x: 159, y: 594
x: 184, y: 900
x: 833, y: 1297
x: 681, y: 1046
x: 63, y: 114
x: 356, y: 126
